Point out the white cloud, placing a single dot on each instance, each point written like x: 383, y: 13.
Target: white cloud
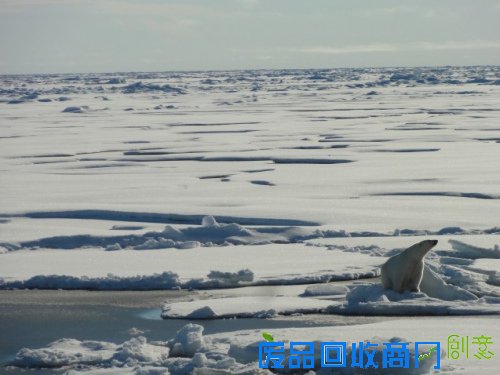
x: 249, y: 4
x: 326, y: 50
x: 390, y: 10
x: 117, y: 7
x: 133, y: 7
x: 393, y: 47
x: 166, y: 18
x: 18, y: 5
x: 456, y: 45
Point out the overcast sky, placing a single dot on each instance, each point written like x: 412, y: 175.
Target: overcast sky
x: 47, y: 36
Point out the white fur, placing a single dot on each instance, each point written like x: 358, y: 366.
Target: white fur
x: 404, y: 271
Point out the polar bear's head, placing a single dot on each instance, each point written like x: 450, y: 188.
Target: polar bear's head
x: 419, y: 250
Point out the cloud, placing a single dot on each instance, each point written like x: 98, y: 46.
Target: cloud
x: 326, y: 50
x: 249, y: 4
x: 176, y: 26
x: 116, y: 7
x: 394, y: 47
x: 19, y: 5
x: 389, y: 10
x: 133, y: 7
x: 456, y: 45
x: 15, y: 3
x: 172, y: 18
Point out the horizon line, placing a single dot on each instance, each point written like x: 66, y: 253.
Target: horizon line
x: 252, y: 69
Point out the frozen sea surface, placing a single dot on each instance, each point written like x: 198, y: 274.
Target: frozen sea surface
x: 267, y: 180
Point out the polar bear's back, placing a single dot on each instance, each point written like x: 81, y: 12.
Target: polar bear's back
x: 386, y: 272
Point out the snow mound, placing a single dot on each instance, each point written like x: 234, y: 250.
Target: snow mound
x: 209, y: 234
x: 209, y: 221
x: 65, y: 352
x: 463, y: 250
x: 243, y: 307
x: 113, y: 247
x: 435, y: 286
x: 115, y: 81
x: 479, y: 281
x: 325, y: 290
x: 209, y: 231
x: 139, y: 87
x: 138, y: 350
x: 374, y: 299
x: 188, y: 353
x: 231, y: 278
x: 76, y: 109
x: 157, y: 281
x: 188, y: 341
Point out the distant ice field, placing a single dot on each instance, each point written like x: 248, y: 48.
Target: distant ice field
x: 136, y: 161
x: 139, y: 161
x: 355, y: 149
x: 292, y: 187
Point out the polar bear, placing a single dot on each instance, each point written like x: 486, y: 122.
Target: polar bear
x: 404, y: 271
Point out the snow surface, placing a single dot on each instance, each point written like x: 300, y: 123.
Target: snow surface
x: 243, y: 307
x: 195, y: 147
x: 159, y: 269
x: 250, y: 178
x: 235, y: 352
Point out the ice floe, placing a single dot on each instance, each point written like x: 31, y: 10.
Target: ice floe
x: 243, y: 307
x: 236, y: 352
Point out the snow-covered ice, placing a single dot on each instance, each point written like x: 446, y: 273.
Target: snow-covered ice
x: 242, y: 307
x: 245, y: 179
x: 225, y: 266
x: 234, y: 352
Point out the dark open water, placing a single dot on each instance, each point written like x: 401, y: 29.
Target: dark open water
x: 53, y: 316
